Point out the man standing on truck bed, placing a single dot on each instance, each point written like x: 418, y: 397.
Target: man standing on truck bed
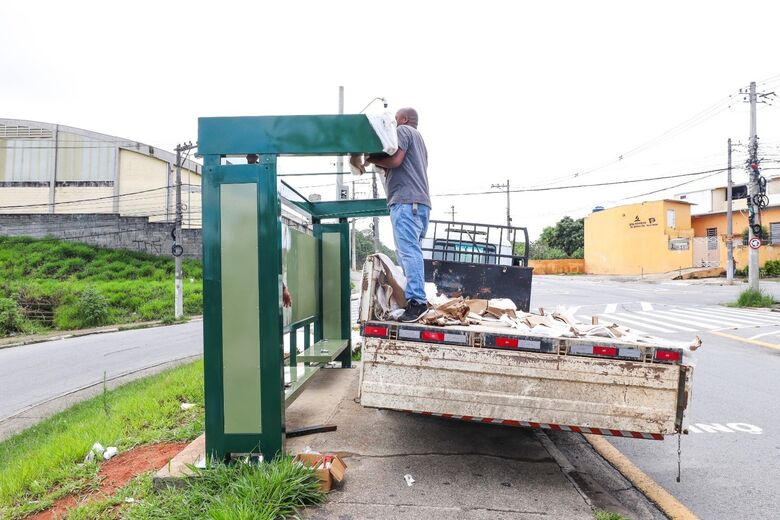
x: 410, y: 206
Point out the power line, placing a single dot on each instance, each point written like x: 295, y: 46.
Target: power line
x: 569, y: 187
x: 107, y: 197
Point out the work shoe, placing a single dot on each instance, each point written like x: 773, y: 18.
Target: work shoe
x: 414, y: 310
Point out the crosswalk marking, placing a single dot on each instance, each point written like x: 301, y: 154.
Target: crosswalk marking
x: 741, y: 318
x: 755, y: 315
x: 673, y: 320
x: 673, y: 316
x: 619, y: 318
x: 662, y: 321
x: 723, y: 321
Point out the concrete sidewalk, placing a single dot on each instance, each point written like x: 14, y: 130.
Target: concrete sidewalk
x: 461, y: 470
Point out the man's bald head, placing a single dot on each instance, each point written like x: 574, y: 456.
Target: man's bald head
x: 407, y: 116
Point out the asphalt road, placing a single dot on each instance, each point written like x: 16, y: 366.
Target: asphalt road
x: 730, y: 459
x: 33, y: 375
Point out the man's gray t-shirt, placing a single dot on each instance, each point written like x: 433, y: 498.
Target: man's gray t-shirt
x: 408, y: 183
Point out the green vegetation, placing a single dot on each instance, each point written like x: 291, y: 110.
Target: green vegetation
x: 564, y: 240
x: 226, y: 492
x: 89, y: 286
x: 605, y: 515
x: 364, y: 246
x: 764, y: 235
x: 45, y: 462
x: 11, y: 318
x: 751, y: 298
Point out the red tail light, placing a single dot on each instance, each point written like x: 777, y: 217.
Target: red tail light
x: 379, y: 332
x: 605, y: 351
x: 668, y: 355
x: 507, y: 342
x: 432, y: 336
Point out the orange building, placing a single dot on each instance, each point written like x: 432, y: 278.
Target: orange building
x: 710, y: 229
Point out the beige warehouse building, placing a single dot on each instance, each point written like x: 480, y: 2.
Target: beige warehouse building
x: 52, y: 168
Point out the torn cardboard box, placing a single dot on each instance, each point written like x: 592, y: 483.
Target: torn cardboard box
x: 328, y: 468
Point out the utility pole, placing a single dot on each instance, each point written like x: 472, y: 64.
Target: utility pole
x: 452, y: 212
x: 340, y: 158
x: 177, y: 250
x: 508, y: 212
x: 352, y: 237
x: 753, y: 189
x: 375, y: 223
x: 729, y: 227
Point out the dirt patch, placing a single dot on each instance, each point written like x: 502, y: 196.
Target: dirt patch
x: 114, y: 474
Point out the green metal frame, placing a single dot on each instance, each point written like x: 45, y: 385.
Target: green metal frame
x: 268, y: 136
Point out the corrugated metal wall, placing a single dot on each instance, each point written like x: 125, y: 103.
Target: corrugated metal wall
x: 27, y: 155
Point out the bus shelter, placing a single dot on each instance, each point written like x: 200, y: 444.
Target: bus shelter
x: 248, y: 380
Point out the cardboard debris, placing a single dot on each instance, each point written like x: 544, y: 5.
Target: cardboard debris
x: 478, y: 306
x: 497, y: 312
x: 328, y: 468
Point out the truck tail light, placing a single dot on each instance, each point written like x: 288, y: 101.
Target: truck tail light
x: 605, y: 351
x: 374, y: 331
x: 507, y: 342
x: 668, y: 355
x: 432, y: 336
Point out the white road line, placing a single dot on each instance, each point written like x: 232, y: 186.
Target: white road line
x: 571, y: 310
x: 749, y: 320
x: 674, y: 327
x: 757, y: 315
x: 620, y: 320
x: 742, y: 317
x: 609, y: 309
x: 669, y: 315
x: 774, y: 332
x: 646, y: 306
x: 725, y: 321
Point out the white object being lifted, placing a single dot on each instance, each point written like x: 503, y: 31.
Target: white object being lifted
x: 384, y: 126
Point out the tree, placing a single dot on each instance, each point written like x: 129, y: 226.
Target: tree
x: 564, y: 240
x: 364, y: 246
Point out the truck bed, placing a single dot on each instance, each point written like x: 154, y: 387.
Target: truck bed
x: 499, y: 375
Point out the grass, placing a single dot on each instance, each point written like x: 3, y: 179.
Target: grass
x: 605, y: 515
x: 221, y: 492
x: 45, y: 462
x: 753, y: 298
x: 91, y: 286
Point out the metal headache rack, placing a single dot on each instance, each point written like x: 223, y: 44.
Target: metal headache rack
x: 468, y: 242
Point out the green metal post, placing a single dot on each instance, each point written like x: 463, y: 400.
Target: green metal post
x: 293, y: 354
x: 271, y: 318
x: 346, y: 309
x: 216, y: 445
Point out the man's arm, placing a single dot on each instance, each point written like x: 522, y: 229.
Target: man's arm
x: 394, y: 161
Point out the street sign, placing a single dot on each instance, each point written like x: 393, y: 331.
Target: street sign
x: 755, y: 243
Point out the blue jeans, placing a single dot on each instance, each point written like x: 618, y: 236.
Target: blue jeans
x: 409, y: 229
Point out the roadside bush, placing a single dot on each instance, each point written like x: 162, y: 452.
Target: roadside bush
x: 11, y: 317
x: 578, y: 253
x: 772, y: 268
x: 541, y: 251
x: 751, y: 298
x: 93, y: 307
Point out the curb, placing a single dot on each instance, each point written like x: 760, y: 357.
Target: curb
x: 667, y: 503
x: 90, y: 332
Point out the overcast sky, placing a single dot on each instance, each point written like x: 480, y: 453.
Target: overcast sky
x: 532, y: 92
